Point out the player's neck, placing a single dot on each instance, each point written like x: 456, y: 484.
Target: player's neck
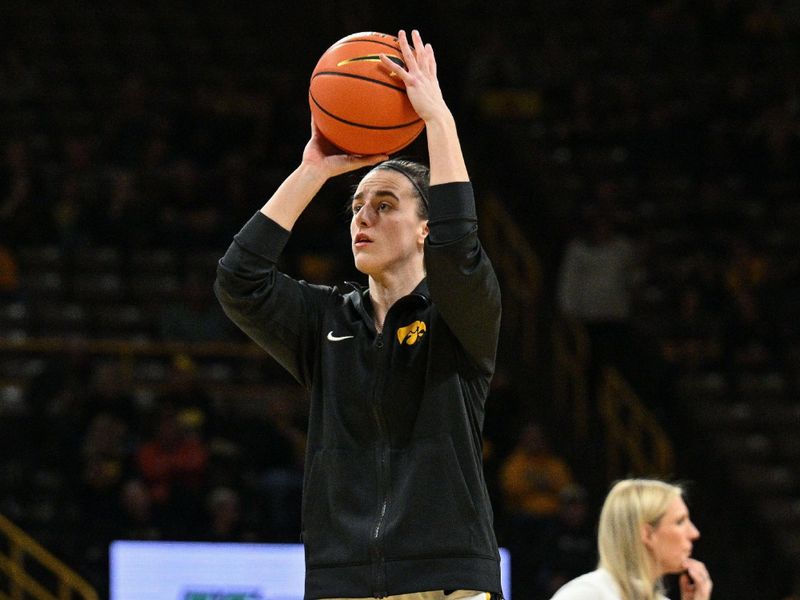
x: 385, y: 291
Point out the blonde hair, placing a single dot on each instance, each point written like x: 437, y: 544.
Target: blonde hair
x: 630, y: 504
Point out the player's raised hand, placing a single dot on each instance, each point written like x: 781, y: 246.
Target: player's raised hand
x: 329, y: 160
x: 419, y: 76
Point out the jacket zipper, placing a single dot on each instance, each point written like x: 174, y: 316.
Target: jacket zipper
x: 379, y: 580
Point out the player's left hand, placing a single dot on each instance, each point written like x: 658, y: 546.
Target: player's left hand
x: 419, y: 76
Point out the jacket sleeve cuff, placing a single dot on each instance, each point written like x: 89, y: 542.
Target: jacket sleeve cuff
x: 263, y: 237
x: 452, y: 213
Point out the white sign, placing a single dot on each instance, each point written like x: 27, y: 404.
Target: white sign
x: 214, y: 571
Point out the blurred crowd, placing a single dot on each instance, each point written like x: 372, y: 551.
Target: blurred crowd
x: 647, y: 151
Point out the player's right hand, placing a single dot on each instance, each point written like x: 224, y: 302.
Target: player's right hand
x: 320, y: 154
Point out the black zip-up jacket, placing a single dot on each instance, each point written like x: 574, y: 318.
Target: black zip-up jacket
x: 394, y: 496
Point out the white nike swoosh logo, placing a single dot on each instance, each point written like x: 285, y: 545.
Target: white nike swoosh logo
x: 337, y: 338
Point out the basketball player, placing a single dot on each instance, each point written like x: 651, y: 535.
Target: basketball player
x: 395, y: 501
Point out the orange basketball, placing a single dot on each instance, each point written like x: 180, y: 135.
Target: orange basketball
x: 357, y: 104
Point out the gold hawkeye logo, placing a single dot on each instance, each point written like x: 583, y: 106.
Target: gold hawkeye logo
x: 411, y: 334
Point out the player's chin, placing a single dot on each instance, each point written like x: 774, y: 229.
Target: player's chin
x: 364, y: 263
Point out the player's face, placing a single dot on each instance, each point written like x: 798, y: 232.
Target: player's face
x: 670, y: 541
x: 386, y: 231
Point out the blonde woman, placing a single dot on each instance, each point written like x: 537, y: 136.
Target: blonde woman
x: 644, y: 533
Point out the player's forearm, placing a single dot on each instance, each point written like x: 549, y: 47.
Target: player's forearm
x: 294, y: 195
x: 444, y: 150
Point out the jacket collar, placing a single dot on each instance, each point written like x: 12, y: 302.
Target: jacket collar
x: 359, y: 296
x: 363, y: 291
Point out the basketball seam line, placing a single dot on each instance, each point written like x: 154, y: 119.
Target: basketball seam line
x: 395, y: 48
x: 361, y: 77
x: 362, y: 125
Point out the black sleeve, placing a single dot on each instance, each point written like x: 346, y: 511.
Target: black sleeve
x: 280, y: 314
x: 461, y: 279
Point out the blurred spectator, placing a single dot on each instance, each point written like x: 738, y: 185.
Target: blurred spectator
x: 131, y: 123
x: 189, y: 397
x: 56, y: 398
x: 104, y: 466
x: 503, y: 409
x: 693, y: 337
x: 223, y: 505
x: 531, y: 479
x: 595, y: 283
x: 746, y: 270
x: 53, y: 392
x: 283, y: 475
x: 189, y: 217
x: 136, y: 520
x: 276, y: 446
x: 66, y: 211
x: 25, y: 214
x: 126, y: 214
x: 491, y: 67
x: 76, y: 194
x: 172, y: 463
x: 10, y: 286
x: 110, y: 392
x: 750, y: 341
x: 764, y: 21
x: 571, y: 548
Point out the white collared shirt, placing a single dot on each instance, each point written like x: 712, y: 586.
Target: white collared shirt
x: 596, y: 585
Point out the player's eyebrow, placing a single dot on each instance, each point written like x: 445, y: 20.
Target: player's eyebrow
x: 378, y: 193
